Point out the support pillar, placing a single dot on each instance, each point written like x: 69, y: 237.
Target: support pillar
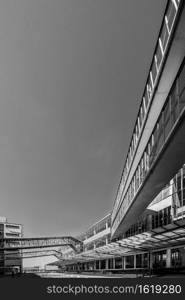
x: 113, y: 263
x: 134, y: 261
x: 150, y: 260
x: 123, y: 262
x: 168, y: 258
x: 149, y: 225
x: 107, y: 264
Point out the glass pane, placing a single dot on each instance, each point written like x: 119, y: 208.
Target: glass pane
x: 167, y: 121
x: 182, y: 80
x: 154, y: 146
x: 159, y: 259
x: 174, y: 105
x: 110, y: 263
x: 139, y: 261
x: 145, y: 260
x: 129, y: 261
x: 118, y: 263
x: 160, y: 135
x: 102, y: 264
x: 182, y: 101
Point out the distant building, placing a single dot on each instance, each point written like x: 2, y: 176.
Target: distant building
x: 10, y: 260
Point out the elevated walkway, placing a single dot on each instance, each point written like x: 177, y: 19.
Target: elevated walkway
x: 160, y: 149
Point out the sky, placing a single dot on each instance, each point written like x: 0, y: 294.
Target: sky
x: 71, y: 80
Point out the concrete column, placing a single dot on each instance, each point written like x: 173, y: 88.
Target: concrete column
x: 123, y: 262
x: 113, y: 263
x: 134, y: 261
x: 107, y: 264
x: 168, y: 258
x: 94, y: 265
x: 99, y: 264
x: 149, y: 219
x: 182, y: 253
x: 150, y: 260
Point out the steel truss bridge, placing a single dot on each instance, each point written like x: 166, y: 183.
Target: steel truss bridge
x: 31, y: 254
x: 11, y: 247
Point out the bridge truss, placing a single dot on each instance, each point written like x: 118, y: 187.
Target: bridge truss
x: 9, y: 244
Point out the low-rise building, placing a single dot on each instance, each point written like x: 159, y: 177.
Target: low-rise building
x: 10, y: 259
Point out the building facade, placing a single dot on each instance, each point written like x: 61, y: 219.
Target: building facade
x: 10, y: 259
x: 146, y: 228
x: 156, y: 242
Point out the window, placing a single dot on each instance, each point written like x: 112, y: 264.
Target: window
x: 182, y: 80
x: 145, y: 260
x: 137, y: 180
x: 12, y: 226
x: 159, y: 259
x: 13, y: 234
x: 102, y: 264
x: 177, y: 257
x: 118, y: 263
x: 110, y: 263
x: 182, y: 89
x: 129, y: 262
x: 97, y: 264
x: 160, y: 133
x: 174, y: 104
x: 141, y: 171
x: 167, y: 120
x: 139, y: 261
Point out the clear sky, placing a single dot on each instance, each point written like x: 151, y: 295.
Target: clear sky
x: 72, y: 73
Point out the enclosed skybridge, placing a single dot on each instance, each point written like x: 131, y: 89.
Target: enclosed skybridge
x: 14, y: 255
x: 8, y: 244
x: 157, y: 147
